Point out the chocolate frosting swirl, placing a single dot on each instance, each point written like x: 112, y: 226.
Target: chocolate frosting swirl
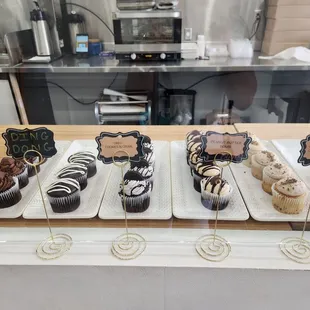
x: 6, y: 182
x: 12, y: 166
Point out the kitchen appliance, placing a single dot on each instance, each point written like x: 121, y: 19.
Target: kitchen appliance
x: 76, y: 26
x: 148, y: 35
x: 41, y: 31
x: 135, y: 4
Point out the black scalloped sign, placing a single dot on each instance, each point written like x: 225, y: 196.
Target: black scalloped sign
x: 225, y: 146
x: 18, y: 142
x: 120, y: 147
x: 304, y: 158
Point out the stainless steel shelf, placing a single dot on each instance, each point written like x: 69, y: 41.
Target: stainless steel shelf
x: 70, y: 64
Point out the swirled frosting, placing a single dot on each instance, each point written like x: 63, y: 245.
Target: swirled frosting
x: 6, y: 182
x: 12, y: 166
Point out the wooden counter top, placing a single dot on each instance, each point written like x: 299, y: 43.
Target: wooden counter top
x: 168, y: 133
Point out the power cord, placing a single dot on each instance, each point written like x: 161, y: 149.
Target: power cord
x: 86, y: 9
x: 256, y: 25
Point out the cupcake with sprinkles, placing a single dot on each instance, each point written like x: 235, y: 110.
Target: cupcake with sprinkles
x: 87, y: 159
x: 204, y: 170
x: 215, y: 193
x: 64, y: 195
x: 74, y: 171
x: 145, y: 170
x: 137, y: 193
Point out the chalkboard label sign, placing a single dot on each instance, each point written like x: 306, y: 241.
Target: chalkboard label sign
x: 304, y: 158
x: 18, y: 142
x: 120, y: 147
x: 225, y: 146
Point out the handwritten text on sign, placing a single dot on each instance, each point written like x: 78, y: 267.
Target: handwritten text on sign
x: 225, y: 147
x: 18, y: 142
x: 119, y: 147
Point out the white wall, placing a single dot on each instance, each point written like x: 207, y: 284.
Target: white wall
x: 8, y: 113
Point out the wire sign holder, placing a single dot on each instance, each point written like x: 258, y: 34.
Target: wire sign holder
x: 298, y: 249
x: 225, y: 148
x: 29, y: 145
x: 120, y: 149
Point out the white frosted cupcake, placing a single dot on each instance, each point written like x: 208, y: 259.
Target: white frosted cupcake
x: 204, y: 170
x: 261, y: 160
x: 255, y: 147
x: 289, y: 196
x: 215, y: 193
x: 274, y: 173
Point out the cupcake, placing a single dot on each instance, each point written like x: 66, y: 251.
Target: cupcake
x: 15, y: 168
x: 10, y: 194
x: 255, y: 147
x: 289, y: 196
x: 261, y: 160
x: 192, y: 135
x: 137, y: 192
x: 149, y: 156
x: 145, y: 170
x: 31, y: 169
x: 85, y: 158
x: 194, y: 159
x: 77, y: 172
x: 193, y: 146
x: 272, y: 174
x: 64, y: 195
x: 147, y: 143
x: 204, y: 170
x: 215, y: 193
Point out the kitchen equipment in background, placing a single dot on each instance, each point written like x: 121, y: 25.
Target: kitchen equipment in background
x: 151, y: 35
x: 76, y: 26
x: 201, y: 44
x: 189, y: 50
x: 179, y: 107
x: 128, y: 108
x: 41, y: 31
x: 167, y: 5
x: 135, y: 4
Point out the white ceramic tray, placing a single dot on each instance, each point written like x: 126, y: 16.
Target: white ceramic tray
x: 90, y: 197
x: 290, y: 150
x: 259, y: 203
x: 160, y: 206
x: 30, y: 190
x: 187, y: 202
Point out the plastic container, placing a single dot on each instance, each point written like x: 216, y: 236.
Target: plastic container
x: 201, y: 43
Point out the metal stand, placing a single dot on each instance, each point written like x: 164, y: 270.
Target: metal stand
x: 56, y: 245
x: 129, y: 245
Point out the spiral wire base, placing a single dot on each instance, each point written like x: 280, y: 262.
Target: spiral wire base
x: 128, y: 246
x: 213, y: 248
x: 54, y: 246
x: 296, y: 249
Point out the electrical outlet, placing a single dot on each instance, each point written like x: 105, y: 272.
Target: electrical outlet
x: 188, y: 34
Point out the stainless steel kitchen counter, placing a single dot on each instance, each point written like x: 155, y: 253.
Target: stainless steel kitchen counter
x: 70, y: 64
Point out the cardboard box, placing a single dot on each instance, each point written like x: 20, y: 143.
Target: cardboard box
x: 288, y: 24
x: 273, y: 48
x: 293, y: 11
x: 289, y: 2
x: 287, y: 36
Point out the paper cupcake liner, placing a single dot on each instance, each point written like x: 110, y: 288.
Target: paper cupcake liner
x: 212, y: 201
x: 91, y: 169
x: 197, y: 180
x: 137, y: 204
x: 31, y: 170
x: 82, y: 181
x: 288, y: 205
x: 10, y: 197
x: 65, y: 204
x: 23, y: 179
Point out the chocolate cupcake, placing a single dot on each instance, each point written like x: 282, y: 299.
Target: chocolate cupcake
x: 15, y: 168
x: 31, y: 169
x: 64, y: 195
x: 193, y: 146
x: 147, y: 143
x: 137, y: 192
x: 74, y: 171
x: 149, y: 156
x: 87, y: 159
x: 204, y: 170
x: 145, y: 170
x: 215, y: 193
x: 10, y: 194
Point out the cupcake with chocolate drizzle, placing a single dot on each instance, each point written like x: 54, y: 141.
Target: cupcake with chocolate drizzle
x: 146, y: 170
x: 10, y: 194
x: 192, y: 135
x: 149, y: 156
x: 215, y: 193
x: 147, y: 143
x: 15, y: 168
x: 204, y: 170
x: 87, y: 159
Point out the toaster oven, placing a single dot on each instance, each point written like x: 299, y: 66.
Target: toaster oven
x: 148, y: 35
